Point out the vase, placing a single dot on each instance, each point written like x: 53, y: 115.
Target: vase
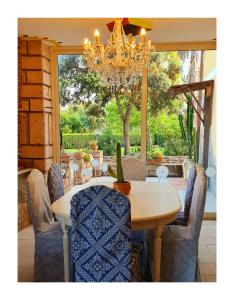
x: 123, y: 187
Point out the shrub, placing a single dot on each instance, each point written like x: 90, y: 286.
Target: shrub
x: 106, y: 142
x: 77, y: 140
x: 175, y: 147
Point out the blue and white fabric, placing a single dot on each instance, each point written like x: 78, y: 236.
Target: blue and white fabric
x: 101, y: 235
x: 48, y: 255
x: 55, y: 182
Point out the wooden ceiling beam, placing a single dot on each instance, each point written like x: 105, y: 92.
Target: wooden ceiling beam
x: 190, y: 87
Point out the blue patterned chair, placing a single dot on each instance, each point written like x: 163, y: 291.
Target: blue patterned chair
x: 179, y: 260
x: 183, y: 216
x: 55, y: 182
x: 48, y: 256
x: 101, y: 237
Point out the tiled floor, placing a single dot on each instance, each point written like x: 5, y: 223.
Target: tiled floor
x: 207, y: 253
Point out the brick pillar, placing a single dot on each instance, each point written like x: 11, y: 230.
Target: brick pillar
x: 34, y: 105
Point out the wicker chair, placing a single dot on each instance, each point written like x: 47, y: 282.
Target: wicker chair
x: 134, y: 169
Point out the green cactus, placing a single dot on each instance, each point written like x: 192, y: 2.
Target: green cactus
x: 189, y: 133
x: 119, y: 175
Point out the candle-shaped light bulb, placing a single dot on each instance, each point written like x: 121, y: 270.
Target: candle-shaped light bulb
x: 149, y: 44
x: 96, y: 34
x: 86, y: 43
x: 143, y: 33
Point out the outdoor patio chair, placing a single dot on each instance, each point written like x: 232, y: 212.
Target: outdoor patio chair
x: 101, y: 243
x: 55, y: 182
x: 162, y: 173
x: 179, y: 260
x: 134, y: 169
x: 48, y: 256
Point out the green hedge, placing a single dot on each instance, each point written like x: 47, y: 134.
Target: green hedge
x: 77, y: 140
x: 81, y: 140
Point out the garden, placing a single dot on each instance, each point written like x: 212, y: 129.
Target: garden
x: 90, y: 113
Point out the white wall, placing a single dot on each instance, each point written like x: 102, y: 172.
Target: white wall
x: 208, y: 74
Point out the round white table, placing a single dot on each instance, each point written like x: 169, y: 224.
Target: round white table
x: 152, y: 206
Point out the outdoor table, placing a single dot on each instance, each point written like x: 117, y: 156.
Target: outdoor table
x: 152, y: 206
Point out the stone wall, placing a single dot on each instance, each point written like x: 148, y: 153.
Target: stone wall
x: 173, y: 163
x: 34, y: 105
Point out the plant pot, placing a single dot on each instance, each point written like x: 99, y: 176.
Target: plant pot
x: 123, y: 187
x: 87, y: 164
x: 78, y: 155
x: 155, y: 161
x: 94, y: 147
x: 65, y: 158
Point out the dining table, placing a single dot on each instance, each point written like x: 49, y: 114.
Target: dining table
x: 152, y: 206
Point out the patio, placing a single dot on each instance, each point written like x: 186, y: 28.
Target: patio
x: 151, y: 212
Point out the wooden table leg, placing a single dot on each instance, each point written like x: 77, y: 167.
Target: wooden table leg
x: 157, y: 252
x: 66, y: 253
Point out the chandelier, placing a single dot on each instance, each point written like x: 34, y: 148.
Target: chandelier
x: 121, y: 61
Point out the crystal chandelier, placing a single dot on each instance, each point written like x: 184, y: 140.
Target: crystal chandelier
x: 121, y: 61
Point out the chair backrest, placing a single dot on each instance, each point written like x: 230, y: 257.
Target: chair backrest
x: 101, y: 235
x: 55, y: 182
x: 192, y: 173
x: 198, y: 203
x: 38, y: 201
x: 162, y: 173
x: 134, y: 169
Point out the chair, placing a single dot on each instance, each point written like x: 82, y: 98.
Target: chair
x: 183, y: 216
x: 134, y: 169
x: 101, y: 236
x: 162, y: 173
x: 55, y: 182
x: 179, y: 260
x: 48, y: 256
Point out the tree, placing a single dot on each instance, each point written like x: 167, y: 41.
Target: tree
x: 79, y: 86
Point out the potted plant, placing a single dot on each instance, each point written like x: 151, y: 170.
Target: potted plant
x: 87, y: 157
x: 93, y: 145
x: 155, y: 156
x: 119, y: 185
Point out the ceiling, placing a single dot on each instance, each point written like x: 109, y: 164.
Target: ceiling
x: 73, y: 31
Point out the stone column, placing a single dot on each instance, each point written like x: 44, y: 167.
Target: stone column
x: 34, y: 105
